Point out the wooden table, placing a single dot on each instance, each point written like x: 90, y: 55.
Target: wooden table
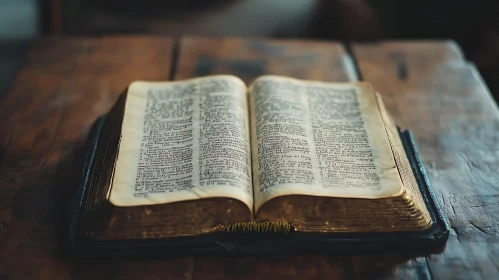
x: 67, y: 83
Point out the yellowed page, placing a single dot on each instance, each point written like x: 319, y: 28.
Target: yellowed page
x: 319, y: 139
x: 182, y: 141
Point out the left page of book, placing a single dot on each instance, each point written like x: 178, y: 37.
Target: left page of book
x: 184, y: 140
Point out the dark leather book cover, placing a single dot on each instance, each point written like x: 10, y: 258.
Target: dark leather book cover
x: 429, y: 240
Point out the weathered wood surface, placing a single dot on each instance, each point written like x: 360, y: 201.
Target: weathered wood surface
x: 430, y: 89
x: 67, y: 83
x: 44, y: 120
x: 249, y: 59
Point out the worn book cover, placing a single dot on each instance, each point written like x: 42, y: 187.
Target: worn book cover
x: 210, y: 164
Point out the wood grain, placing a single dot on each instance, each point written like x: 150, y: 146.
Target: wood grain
x: 249, y: 59
x: 44, y: 120
x: 430, y: 89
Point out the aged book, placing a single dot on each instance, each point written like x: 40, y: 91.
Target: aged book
x: 208, y: 159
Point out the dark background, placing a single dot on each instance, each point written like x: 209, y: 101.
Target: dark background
x: 474, y: 25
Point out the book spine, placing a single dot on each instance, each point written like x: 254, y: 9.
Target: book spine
x: 276, y: 227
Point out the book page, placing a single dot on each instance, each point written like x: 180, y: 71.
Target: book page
x: 319, y: 139
x: 182, y: 141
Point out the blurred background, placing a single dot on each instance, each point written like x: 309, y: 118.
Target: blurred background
x: 474, y: 25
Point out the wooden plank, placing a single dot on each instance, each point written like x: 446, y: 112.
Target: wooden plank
x: 249, y: 59
x: 44, y: 120
x: 442, y: 99
x: 305, y: 266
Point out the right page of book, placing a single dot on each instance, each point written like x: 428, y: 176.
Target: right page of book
x: 319, y: 139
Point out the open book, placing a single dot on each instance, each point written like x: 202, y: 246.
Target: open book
x: 205, y: 155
